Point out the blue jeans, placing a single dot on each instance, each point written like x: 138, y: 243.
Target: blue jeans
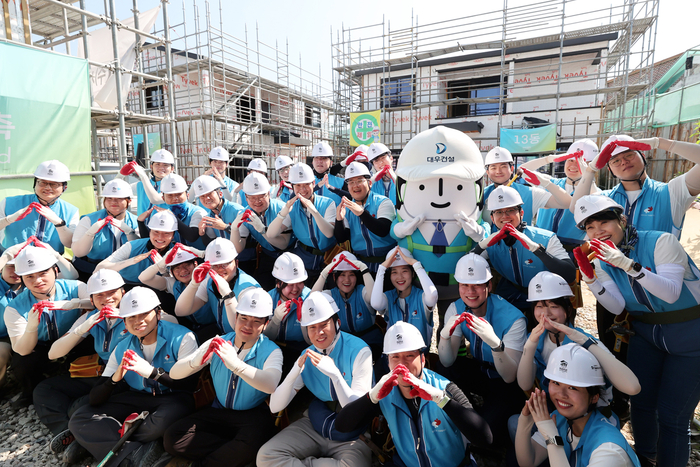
x: 666, y: 360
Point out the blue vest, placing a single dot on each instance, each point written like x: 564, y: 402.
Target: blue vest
x: 501, y: 315
x: 34, y: 224
x: 354, y: 314
x: 202, y: 316
x: 344, y: 353
x: 290, y: 329
x: 335, y: 181
x: 140, y: 246
x: 106, y: 340
x: 184, y: 212
x: 229, y: 211
x: 364, y: 242
x: 525, y: 192
x: 233, y: 392
x: 285, y: 195
x: 414, y: 314
x: 433, y: 439
x: 516, y: 263
x: 637, y: 299
x: 6, y: 296
x: 144, y: 204
x: 170, y: 337
x: 53, y: 323
x: 652, y: 208
x: 388, y: 191
x: 598, y: 430
x: 306, y: 229
x: 216, y: 306
x: 105, y: 243
x: 275, y: 207
x: 560, y: 221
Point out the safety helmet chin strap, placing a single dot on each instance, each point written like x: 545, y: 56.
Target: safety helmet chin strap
x: 639, y: 176
x: 155, y: 328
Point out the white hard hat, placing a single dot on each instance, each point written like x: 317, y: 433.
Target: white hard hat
x: 317, y: 307
x: 117, y: 188
x: 402, y: 337
x: 219, y: 154
x: 322, y: 149
x: 103, y: 280
x: 289, y: 268
x: 547, y: 286
x: 204, y: 184
x: 588, y: 205
x: 498, y: 155
x: 343, y: 266
x: 173, y: 183
x: 257, y: 164
x: 376, y: 150
x: 472, y: 269
x: 356, y: 169
x: 283, y: 161
x: 53, y: 171
x: 256, y: 184
x: 573, y: 365
x: 301, y: 173
x: 163, y: 221
x: 181, y: 256
x: 136, y: 301
x: 255, y: 302
x: 33, y: 259
x: 440, y: 152
x: 220, y: 251
x: 163, y: 155
x: 619, y: 149
x: 503, y: 197
x: 362, y: 148
x: 588, y: 146
x: 399, y: 260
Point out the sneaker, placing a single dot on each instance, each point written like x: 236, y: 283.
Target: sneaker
x: 61, y: 441
x: 21, y: 403
x: 152, y: 453
x: 74, y: 453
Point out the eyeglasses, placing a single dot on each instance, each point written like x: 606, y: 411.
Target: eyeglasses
x: 626, y: 157
x: 53, y: 186
x: 356, y: 182
x: 505, y: 212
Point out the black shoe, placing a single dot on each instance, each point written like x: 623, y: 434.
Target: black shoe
x: 21, y: 403
x: 74, y: 453
x: 163, y: 461
x: 61, y: 441
x: 152, y: 453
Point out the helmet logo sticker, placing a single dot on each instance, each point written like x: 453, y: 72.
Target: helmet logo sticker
x: 103, y: 281
x: 312, y: 312
x: 500, y: 198
x: 583, y: 208
x: 441, y: 148
x: 30, y: 262
x: 399, y: 339
x: 217, y: 253
x: 563, y: 366
x: 470, y: 271
x: 134, y: 303
x: 50, y: 171
x: 253, y: 303
x: 538, y: 288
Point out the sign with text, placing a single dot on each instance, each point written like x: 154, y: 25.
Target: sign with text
x: 364, y: 128
x: 531, y: 140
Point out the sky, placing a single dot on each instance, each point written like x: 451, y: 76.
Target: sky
x: 307, y: 24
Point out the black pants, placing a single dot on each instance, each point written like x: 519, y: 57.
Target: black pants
x: 97, y: 428
x: 57, y: 399
x: 221, y: 437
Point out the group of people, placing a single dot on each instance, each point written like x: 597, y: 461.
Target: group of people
x: 189, y: 328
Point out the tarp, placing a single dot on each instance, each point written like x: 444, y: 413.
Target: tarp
x: 44, y: 115
x: 365, y: 128
x: 531, y: 140
x: 675, y: 72
x: 679, y: 106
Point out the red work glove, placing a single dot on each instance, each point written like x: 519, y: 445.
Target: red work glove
x: 587, y: 272
x: 494, y: 238
x: 129, y: 168
x: 200, y: 272
x: 565, y: 157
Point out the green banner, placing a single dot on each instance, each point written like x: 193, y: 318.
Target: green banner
x: 44, y: 115
x: 532, y: 140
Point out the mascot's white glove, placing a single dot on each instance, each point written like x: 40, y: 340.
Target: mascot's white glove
x: 470, y: 227
x: 406, y: 228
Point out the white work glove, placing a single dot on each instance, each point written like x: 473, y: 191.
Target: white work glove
x: 160, y: 263
x: 406, y: 228
x: 653, y: 142
x: 12, y: 251
x: 72, y: 304
x: 385, y: 385
x: 522, y: 238
x: 202, y: 355
x: 362, y: 267
x: 220, y: 283
x: 281, y: 311
x: 451, y: 325
x: 422, y: 389
x: 470, y: 227
x: 134, y: 362
x: 612, y: 256
x: 484, y: 330
x: 327, y: 366
x: 97, y: 226
x: 536, y: 178
x: 20, y: 214
x: 49, y: 215
x: 238, y: 221
x: 121, y: 225
x: 230, y: 357
x: 494, y: 238
x: 255, y: 221
x: 91, y: 321
x: 34, y: 317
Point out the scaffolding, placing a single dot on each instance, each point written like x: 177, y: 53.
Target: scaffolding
x: 544, y: 60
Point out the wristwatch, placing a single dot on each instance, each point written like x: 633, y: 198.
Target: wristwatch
x: 637, y: 268
x: 589, y: 342
x: 445, y: 399
x: 61, y: 224
x: 500, y: 348
x: 159, y: 372
x: 555, y: 440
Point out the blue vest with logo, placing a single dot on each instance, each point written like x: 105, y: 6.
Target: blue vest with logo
x: 275, y: 207
x: 106, y: 339
x: 344, y: 353
x: 525, y: 192
x: 306, y: 229
x: 170, y: 337
x: 385, y: 190
x: 6, y: 296
x: 290, y: 328
x: 216, y: 306
x: 233, y: 392
x: 501, y: 315
x: 560, y: 221
x: 433, y: 439
x: 516, y: 263
x: 652, y: 208
x: 364, y: 242
x: 598, y: 430
x: 105, y: 243
x: 414, y: 313
x: 285, y: 195
x: 335, y: 181
x: 34, y: 224
x: 53, y: 323
x: 144, y: 204
x: 202, y: 316
x: 140, y: 246
x: 354, y: 314
x: 637, y: 299
x: 229, y: 211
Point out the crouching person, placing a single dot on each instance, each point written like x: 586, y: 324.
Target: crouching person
x: 337, y: 369
x: 136, y: 379
x: 415, y: 402
x: 245, y: 366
